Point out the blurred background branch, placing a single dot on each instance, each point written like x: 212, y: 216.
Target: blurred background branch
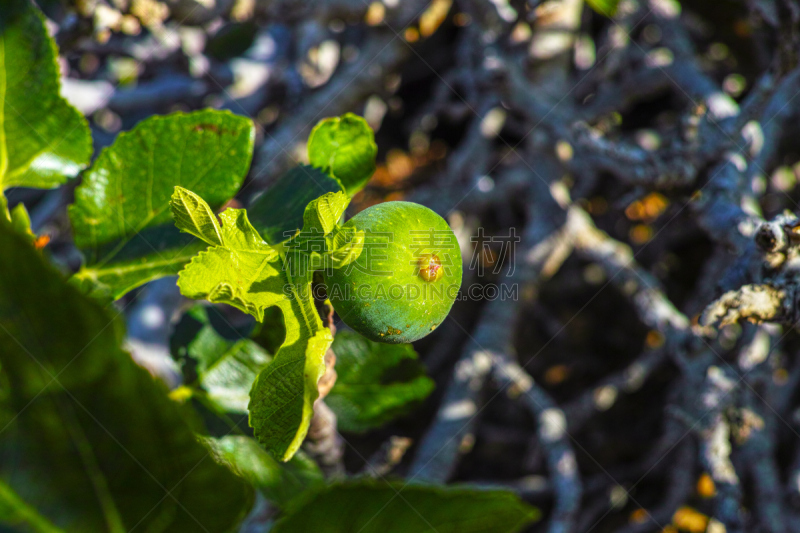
x: 642, y: 150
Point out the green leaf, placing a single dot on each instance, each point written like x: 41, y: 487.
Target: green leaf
x: 130, y: 185
x: 192, y: 215
x: 345, y: 147
x: 14, y: 512
x: 226, y: 369
x: 324, y: 243
x: 300, y: 362
x: 92, y: 441
x: 375, y: 382
x: 381, y: 507
x: 278, y: 213
x: 244, y: 271
x: 323, y: 213
x: 280, y: 483
x: 121, y: 217
x: 134, y: 266
x: 229, y: 379
x: 43, y: 139
x: 247, y: 273
x: 21, y: 221
x: 604, y: 7
x: 283, y: 395
x: 344, y: 245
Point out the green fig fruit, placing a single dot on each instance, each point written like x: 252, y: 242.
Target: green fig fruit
x: 407, y: 277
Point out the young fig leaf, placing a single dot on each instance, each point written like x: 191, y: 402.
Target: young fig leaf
x: 323, y: 213
x: 192, y: 215
x: 249, y: 274
x: 243, y: 271
x: 344, y: 147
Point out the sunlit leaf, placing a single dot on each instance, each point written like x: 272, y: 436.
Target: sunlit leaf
x: 244, y: 271
x: 43, y: 139
x: 194, y: 216
x: 283, y: 395
x: 323, y: 213
x: 322, y: 241
x: 345, y: 147
x: 247, y: 273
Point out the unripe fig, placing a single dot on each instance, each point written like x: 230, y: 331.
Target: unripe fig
x: 407, y: 277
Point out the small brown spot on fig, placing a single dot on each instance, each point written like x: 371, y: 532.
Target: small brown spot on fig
x: 209, y: 127
x: 430, y: 267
